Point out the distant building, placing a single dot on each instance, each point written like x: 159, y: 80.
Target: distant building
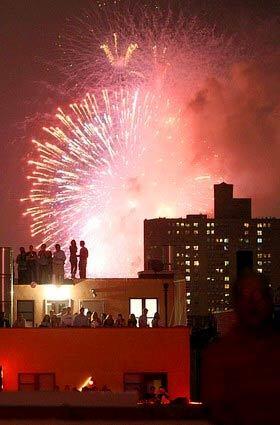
x: 210, y: 252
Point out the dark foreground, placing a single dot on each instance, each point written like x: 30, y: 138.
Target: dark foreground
x: 140, y: 415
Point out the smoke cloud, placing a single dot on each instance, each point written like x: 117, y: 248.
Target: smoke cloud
x: 239, y: 121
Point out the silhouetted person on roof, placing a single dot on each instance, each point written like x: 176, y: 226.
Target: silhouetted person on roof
x: 22, y: 266
x: 4, y: 322
x: 73, y: 258
x: 241, y: 372
x: 31, y: 259
x: 83, y: 260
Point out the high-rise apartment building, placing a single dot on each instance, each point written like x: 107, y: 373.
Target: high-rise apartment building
x: 209, y: 252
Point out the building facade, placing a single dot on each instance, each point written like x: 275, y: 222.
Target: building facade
x: 210, y: 252
x: 111, y: 296
x: 122, y: 359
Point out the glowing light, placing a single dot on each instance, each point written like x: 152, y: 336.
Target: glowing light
x: 57, y: 293
x: 87, y: 382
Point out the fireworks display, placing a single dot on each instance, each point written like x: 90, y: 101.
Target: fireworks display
x: 124, y: 152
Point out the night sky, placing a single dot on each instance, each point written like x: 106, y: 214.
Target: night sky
x: 28, y: 36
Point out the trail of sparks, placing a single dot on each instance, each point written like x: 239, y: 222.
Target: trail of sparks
x: 92, y: 165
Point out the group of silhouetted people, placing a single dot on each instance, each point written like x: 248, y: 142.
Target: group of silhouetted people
x: 46, y: 266
x: 92, y: 320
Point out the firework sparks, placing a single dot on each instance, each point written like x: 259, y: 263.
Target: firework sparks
x: 114, y: 58
x: 124, y: 153
x: 95, y: 168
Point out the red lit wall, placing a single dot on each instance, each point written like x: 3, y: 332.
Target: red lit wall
x: 105, y: 354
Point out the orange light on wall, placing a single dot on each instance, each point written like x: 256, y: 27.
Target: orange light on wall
x: 1, y: 378
x: 88, y: 381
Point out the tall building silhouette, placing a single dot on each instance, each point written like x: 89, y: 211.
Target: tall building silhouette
x: 208, y: 253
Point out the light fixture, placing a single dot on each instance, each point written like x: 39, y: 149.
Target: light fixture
x: 93, y: 293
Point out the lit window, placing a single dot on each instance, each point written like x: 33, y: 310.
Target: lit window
x: 182, y: 224
x: 259, y: 232
x: 246, y: 224
x: 178, y: 254
x: 226, y: 240
x: 187, y: 246
x: 225, y: 248
x: 136, y: 306
x: 226, y: 294
x: 268, y: 224
x: 259, y: 240
x: 195, y: 247
x: 213, y: 224
x: 260, y: 270
x: 187, y: 255
x: 188, y: 294
x: 208, y: 224
x: 195, y: 224
x: 226, y: 278
x: 177, y: 232
x: 188, y: 278
x: 212, y: 232
x: 196, y: 263
x: 208, y: 232
x: 187, y: 262
x: 246, y: 232
x: 188, y: 270
x: 259, y: 225
x: 226, y: 286
x: 195, y: 232
x: 264, y: 224
x: 226, y: 263
x: 260, y: 263
x: 188, y: 302
x: 260, y: 255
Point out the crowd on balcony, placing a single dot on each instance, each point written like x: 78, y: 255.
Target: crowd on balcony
x: 46, y: 266
x: 89, y: 320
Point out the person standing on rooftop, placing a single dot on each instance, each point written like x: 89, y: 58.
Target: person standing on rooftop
x: 22, y: 266
x: 73, y: 258
x: 83, y: 260
x: 59, y: 258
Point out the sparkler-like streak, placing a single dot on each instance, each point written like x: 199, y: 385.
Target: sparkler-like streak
x: 115, y: 59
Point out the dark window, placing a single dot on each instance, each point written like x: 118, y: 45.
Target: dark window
x: 244, y: 260
x: 142, y: 381
x: 27, y: 310
x: 36, y: 382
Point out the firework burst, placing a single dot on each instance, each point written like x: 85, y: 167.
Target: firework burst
x: 124, y: 153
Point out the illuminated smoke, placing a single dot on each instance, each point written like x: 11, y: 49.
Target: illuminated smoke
x: 125, y: 152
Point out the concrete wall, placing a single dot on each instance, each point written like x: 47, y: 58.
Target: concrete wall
x: 105, y: 354
x: 113, y: 294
